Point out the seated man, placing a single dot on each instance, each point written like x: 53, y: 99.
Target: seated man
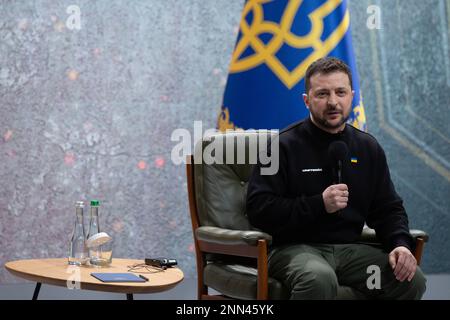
x: 316, y: 211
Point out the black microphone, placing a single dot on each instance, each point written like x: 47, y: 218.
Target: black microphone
x: 338, y: 153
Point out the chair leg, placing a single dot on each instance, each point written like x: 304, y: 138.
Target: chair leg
x: 263, y: 277
x: 202, y: 290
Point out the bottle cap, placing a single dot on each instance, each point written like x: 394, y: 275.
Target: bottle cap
x: 98, y: 239
x: 95, y: 203
x: 79, y: 204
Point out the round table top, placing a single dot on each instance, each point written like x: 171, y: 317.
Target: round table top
x: 58, y: 272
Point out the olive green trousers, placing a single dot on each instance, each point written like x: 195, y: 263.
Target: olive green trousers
x: 316, y: 271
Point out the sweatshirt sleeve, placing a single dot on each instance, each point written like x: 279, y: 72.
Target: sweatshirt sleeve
x: 271, y: 209
x: 386, y: 212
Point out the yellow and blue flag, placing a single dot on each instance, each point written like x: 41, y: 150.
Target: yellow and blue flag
x: 277, y: 41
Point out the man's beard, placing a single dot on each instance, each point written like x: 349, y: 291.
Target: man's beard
x: 324, y: 122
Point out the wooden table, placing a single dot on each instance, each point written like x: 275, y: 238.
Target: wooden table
x: 57, y: 272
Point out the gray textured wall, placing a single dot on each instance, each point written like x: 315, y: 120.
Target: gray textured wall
x: 88, y: 114
x: 405, y: 73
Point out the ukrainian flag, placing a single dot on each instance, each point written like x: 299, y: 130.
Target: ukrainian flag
x: 277, y: 41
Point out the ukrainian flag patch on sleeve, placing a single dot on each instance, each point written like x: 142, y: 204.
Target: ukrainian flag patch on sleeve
x: 354, y: 160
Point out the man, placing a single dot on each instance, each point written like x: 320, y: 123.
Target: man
x: 315, y: 221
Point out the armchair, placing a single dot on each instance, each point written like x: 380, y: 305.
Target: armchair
x: 231, y: 254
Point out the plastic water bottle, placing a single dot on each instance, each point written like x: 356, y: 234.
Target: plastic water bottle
x: 78, y: 253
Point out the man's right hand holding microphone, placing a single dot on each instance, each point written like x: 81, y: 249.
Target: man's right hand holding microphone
x: 335, y: 197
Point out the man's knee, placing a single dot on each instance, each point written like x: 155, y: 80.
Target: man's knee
x: 317, y: 282
x: 417, y: 285
x: 406, y: 290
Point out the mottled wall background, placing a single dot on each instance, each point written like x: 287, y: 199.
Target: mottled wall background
x: 89, y: 114
x: 405, y: 78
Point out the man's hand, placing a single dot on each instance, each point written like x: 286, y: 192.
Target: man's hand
x: 335, y: 197
x: 403, y: 263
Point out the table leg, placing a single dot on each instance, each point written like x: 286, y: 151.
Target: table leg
x: 129, y: 296
x: 36, y: 290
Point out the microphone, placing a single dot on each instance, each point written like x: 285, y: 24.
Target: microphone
x: 338, y: 153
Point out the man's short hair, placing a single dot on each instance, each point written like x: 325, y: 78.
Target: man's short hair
x: 326, y: 65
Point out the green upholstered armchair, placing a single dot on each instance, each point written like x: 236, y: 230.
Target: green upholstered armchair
x: 231, y: 254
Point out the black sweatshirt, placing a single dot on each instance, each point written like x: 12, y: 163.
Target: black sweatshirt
x: 289, y: 204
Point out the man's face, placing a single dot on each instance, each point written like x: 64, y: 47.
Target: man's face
x: 329, y: 100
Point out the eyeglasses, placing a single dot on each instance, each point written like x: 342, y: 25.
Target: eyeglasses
x: 145, y: 268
